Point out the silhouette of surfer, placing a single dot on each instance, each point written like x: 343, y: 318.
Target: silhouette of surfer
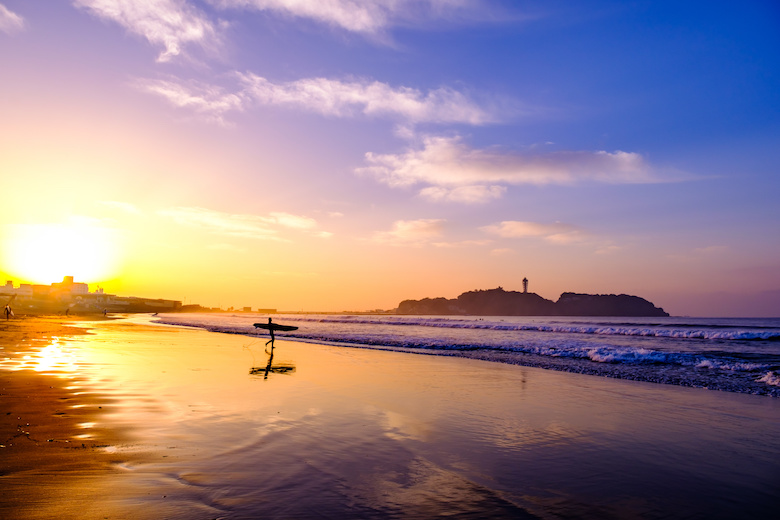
x: 271, y: 330
x: 8, y: 312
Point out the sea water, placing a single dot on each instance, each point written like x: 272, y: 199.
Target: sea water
x: 380, y: 434
x: 730, y: 354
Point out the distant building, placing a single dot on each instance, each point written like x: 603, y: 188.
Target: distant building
x: 24, y: 291
x: 69, y: 286
x: 76, y: 296
x: 247, y: 309
x: 525, y: 285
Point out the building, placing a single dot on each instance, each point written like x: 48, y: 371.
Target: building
x: 75, y: 297
x: 23, y: 292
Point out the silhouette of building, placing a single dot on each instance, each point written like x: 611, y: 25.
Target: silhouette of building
x: 76, y: 296
x: 525, y: 285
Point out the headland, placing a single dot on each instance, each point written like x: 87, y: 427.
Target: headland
x: 498, y: 302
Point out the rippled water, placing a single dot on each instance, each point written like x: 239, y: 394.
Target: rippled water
x: 739, y: 355
x: 361, y: 433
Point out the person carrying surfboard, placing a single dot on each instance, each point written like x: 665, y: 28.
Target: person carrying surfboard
x: 271, y: 330
x: 271, y: 327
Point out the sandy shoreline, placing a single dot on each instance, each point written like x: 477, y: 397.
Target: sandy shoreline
x: 135, y: 421
x: 42, y: 427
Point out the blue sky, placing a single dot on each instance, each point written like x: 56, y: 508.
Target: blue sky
x: 347, y: 155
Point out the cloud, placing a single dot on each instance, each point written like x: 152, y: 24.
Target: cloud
x: 462, y: 244
x: 10, y: 22
x: 329, y: 97
x: 337, y: 98
x: 294, y: 221
x: 466, y: 194
x: 172, y: 24
x: 211, y: 101
x: 458, y: 172
x: 367, y: 17
x: 411, y: 232
x: 557, y: 233
x: 125, y: 207
x: 241, y: 225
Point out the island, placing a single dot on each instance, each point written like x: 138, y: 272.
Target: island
x: 499, y: 302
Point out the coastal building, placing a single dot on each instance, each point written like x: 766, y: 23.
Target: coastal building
x: 525, y: 285
x: 68, y: 286
x: 75, y: 296
x: 24, y: 291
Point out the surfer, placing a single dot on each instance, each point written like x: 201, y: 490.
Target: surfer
x: 8, y: 312
x: 271, y: 330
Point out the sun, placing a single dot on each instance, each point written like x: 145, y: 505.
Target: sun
x: 44, y: 253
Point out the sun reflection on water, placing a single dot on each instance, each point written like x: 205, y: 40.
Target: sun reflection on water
x: 54, y: 357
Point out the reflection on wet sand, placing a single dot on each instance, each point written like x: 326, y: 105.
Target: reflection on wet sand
x: 270, y: 367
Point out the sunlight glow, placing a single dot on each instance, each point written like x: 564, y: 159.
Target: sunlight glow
x: 45, y: 253
x: 54, y: 358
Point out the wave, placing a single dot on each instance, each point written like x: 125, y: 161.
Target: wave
x: 770, y: 378
x: 732, y: 367
x: 727, y: 333
x: 556, y: 349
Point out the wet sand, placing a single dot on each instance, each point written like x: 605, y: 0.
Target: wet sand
x: 162, y: 422
x: 48, y: 466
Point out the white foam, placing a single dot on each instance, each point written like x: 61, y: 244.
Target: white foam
x: 770, y: 378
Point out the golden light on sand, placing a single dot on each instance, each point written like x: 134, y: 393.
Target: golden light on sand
x: 44, y: 253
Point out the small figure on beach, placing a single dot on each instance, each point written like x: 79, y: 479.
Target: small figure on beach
x: 271, y: 330
x: 271, y: 327
x: 8, y: 312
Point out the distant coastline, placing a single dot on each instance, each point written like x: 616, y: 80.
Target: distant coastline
x: 498, y: 302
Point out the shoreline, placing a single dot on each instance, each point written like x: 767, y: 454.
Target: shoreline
x: 185, y: 431
x: 55, y: 445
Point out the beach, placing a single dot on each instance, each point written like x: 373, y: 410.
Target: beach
x: 129, y: 419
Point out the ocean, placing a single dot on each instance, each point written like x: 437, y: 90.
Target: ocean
x: 346, y: 422
x: 728, y: 354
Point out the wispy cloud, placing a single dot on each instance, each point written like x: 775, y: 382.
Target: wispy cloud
x: 329, y: 97
x: 367, y: 17
x: 293, y: 221
x: 210, y: 101
x: 557, y: 232
x: 10, y: 22
x: 338, y: 98
x: 462, y: 244
x: 411, y: 232
x: 124, y: 207
x: 466, y: 194
x: 454, y: 171
x: 172, y: 24
x: 241, y: 225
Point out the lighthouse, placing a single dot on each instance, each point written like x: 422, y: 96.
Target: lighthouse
x: 525, y: 285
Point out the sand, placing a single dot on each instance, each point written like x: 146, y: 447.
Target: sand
x: 131, y: 420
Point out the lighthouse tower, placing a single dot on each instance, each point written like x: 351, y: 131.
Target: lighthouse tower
x: 525, y: 285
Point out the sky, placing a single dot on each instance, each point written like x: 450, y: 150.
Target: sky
x: 345, y: 155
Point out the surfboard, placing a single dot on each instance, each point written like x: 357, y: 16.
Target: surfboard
x: 274, y: 326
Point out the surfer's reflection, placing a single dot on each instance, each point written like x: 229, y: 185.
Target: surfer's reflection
x: 270, y: 367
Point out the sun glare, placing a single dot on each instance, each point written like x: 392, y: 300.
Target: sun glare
x: 44, y: 253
